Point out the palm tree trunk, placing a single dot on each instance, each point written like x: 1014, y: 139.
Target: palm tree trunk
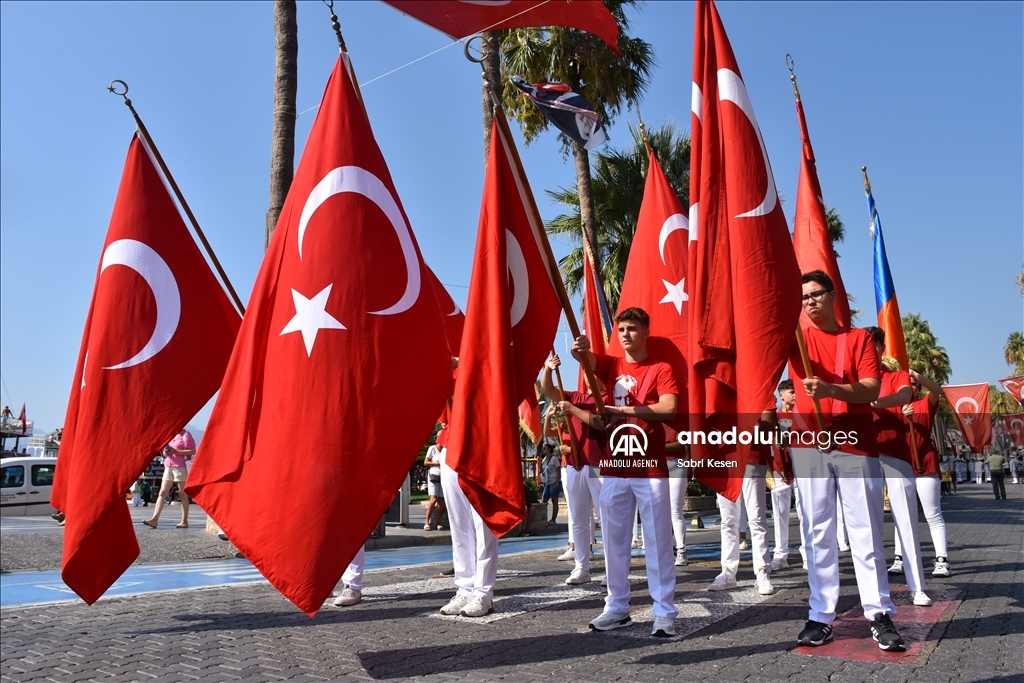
x: 492, y: 74
x: 586, y: 193
x: 286, y: 80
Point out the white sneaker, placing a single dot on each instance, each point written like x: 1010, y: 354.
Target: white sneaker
x: 843, y: 548
x: 567, y: 555
x: 681, y: 560
x: 455, y: 605
x: 664, y: 627
x: 723, y: 582
x: 478, y: 606
x: 348, y: 598
x: 604, y: 580
x: 764, y: 584
x: 744, y: 544
x: 897, y: 566
x: 579, y: 575
x: 941, y: 567
x: 780, y: 563
x: 608, y: 621
x: 921, y: 599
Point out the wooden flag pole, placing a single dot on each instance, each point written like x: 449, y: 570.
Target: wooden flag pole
x: 809, y: 373
x: 148, y: 140
x: 572, y: 437
x: 546, y: 253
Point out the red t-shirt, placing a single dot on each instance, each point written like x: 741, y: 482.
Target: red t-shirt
x: 593, y: 444
x: 625, y: 380
x: 850, y: 424
x: 924, y: 416
x: 889, y: 422
x: 785, y: 424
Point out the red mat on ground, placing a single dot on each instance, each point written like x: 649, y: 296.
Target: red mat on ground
x: 921, y: 628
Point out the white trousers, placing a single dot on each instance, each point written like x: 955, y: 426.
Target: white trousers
x: 782, y: 498
x: 899, y: 482
x: 582, y: 493
x: 353, y: 576
x: 858, y: 479
x: 752, y: 499
x: 677, y: 498
x: 620, y: 497
x: 929, y: 490
x: 800, y: 518
x: 474, y: 547
x: 841, y: 527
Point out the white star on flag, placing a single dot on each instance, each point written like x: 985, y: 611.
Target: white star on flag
x: 311, y: 317
x: 676, y: 295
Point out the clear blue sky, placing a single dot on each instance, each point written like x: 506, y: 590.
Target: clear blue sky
x: 927, y: 95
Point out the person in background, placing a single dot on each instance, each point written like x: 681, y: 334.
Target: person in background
x: 995, y: 466
x: 176, y: 453
x: 551, y: 477
x: 436, y: 503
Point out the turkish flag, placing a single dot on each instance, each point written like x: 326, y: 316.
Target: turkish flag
x: 529, y: 418
x: 743, y: 281
x: 340, y: 369
x: 811, y: 242
x: 596, y: 322
x: 1015, y: 386
x: 460, y: 18
x: 970, y: 405
x: 1015, y: 428
x: 157, y: 339
x: 454, y: 318
x: 511, y: 320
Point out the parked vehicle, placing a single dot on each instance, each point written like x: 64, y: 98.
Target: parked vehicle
x: 25, y: 485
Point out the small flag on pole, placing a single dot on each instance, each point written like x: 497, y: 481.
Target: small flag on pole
x: 566, y: 110
x: 885, y: 291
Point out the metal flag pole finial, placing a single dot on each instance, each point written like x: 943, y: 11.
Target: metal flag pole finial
x: 867, y: 183
x: 791, y: 64
x: 120, y: 88
x: 336, y: 25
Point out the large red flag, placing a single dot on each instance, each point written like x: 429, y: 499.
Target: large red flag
x: 596, y: 322
x: 811, y: 242
x: 970, y: 405
x: 157, y: 339
x: 459, y: 18
x: 511, y: 320
x: 454, y: 319
x: 743, y: 280
x: 1015, y: 387
x: 340, y: 369
x: 1015, y: 428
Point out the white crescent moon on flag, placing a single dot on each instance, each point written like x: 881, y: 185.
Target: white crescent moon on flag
x: 520, y: 278
x: 455, y: 312
x: 1016, y: 421
x: 732, y: 89
x: 143, y: 260
x: 966, y: 399
x: 676, y: 221
x: 360, y: 181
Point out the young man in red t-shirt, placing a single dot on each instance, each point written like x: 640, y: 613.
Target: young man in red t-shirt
x: 921, y: 412
x: 644, y: 393
x: 582, y: 483
x: 844, y: 378
x: 897, y: 470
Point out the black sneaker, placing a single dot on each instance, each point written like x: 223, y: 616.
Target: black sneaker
x: 886, y: 635
x: 450, y: 571
x: 815, y: 633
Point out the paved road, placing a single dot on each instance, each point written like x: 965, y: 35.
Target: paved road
x: 251, y: 633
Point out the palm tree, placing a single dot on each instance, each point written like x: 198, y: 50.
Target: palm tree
x: 923, y: 350
x: 1014, y: 353
x: 585, y: 62
x: 834, y: 222
x: 618, y: 188
x: 1000, y: 402
x: 286, y: 81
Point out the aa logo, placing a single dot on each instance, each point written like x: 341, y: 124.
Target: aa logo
x: 628, y: 440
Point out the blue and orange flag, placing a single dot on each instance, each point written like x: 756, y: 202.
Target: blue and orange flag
x: 887, y: 307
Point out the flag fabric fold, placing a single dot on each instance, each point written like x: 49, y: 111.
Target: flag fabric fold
x: 157, y: 340
x: 340, y: 369
x: 597, y: 323
x: 971, y: 407
x: 458, y: 19
x: 454, y: 318
x: 811, y: 240
x: 511, y: 319
x: 886, y: 305
x: 1014, y: 386
x: 743, y: 280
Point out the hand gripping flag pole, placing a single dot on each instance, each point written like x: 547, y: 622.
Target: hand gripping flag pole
x: 148, y: 140
x: 568, y: 427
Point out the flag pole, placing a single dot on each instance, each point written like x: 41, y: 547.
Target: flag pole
x: 144, y: 132
x: 915, y: 455
x: 568, y: 428
x: 546, y: 253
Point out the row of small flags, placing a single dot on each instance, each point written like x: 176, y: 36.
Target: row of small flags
x: 348, y: 339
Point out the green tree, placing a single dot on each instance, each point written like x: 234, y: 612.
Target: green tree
x: 607, y: 80
x: 1000, y: 402
x: 1013, y: 352
x: 618, y: 187
x: 923, y: 350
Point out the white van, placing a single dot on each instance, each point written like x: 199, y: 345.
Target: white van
x: 25, y: 485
